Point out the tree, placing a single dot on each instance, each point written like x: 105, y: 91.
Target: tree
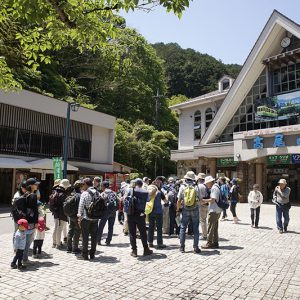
x: 191, y: 73
x: 40, y: 26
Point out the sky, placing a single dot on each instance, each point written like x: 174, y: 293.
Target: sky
x: 226, y: 30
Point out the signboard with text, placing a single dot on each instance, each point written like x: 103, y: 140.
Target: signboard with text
x: 279, y: 159
x: 227, y: 162
x: 57, y: 168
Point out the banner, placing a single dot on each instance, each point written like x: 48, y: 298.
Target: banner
x: 57, y: 168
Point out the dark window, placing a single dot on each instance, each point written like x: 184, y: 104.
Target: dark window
x: 7, y: 139
x: 35, y: 143
x: 52, y: 145
x: 197, y: 125
x: 23, y: 141
x: 82, y: 149
x: 209, y: 115
x: 225, y: 84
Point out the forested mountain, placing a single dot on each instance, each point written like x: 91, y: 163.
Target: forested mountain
x: 121, y: 79
x: 191, y: 73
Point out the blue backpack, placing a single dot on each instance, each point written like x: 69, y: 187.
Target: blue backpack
x: 222, y: 202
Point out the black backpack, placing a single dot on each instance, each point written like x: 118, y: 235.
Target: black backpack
x: 112, y: 201
x: 70, y: 206
x: 97, y: 207
x: 18, y: 209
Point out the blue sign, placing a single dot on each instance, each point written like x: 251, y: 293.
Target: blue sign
x: 298, y: 142
x: 279, y: 140
x: 295, y: 158
x: 258, y: 143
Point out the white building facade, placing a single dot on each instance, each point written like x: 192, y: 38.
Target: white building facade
x: 249, y: 127
x: 32, y: 130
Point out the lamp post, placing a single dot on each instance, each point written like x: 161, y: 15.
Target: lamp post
x: 74, y: 107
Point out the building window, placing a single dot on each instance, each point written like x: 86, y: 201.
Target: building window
x: 7, y: 139
x: 52, y: 145
x: 209, y: 115
x: 286, y: 79
x: 23, y: 141
x: 225, y: 84
x: 82, y: 149
x: 197, y: 125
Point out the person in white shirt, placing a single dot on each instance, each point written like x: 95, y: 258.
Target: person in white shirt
x: 255, y: 199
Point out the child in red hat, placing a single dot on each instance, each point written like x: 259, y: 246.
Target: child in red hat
x: 19, y: 244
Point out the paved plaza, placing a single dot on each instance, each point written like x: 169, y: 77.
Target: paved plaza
x: 250, y: 264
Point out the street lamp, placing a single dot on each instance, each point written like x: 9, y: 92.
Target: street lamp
x: 74, y: 107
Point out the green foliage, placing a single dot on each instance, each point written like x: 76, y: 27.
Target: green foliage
x: 40, y: 26
x: 191, y: 73
x: 140, y: 145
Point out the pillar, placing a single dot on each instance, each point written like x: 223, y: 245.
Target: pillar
x: 213, y: 167
x: 259, y: 175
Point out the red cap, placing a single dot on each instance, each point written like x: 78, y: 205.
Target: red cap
x: 24, y: 223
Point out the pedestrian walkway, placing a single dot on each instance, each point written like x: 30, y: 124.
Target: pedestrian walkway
x: 250, y: 264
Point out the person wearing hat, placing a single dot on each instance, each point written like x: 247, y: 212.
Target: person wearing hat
x: 19, y: 244
x: 203, y: 207
x: 234, y: 198
x: 188, y: 198
x: 281, y: 197
x: 56, y: 201
x: 214, y: 212
x: 225, y: 194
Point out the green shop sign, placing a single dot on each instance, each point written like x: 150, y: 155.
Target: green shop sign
x: 57, y: 168
x: 227, y: 162
x: 279, y: 159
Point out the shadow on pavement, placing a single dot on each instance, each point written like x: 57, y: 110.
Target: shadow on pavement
x: 294, y: 232
x: 152, y: 257
x: 209, y: 253
x: 105, y: 260
x: 34, y: 266
x: 240, y: 223
x: 119, y: 245
x: 229, y: 247
x: 264, y: 227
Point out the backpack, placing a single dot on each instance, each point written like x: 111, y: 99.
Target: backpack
x: 53, y: 201
x: 18, y: 209
x: 70, y: 206
x: 190, y: 196
x: 112, y: 201
x: 172, y: 196
x: 97, y: 207
x: 222, y: 202
x: 130, y: 204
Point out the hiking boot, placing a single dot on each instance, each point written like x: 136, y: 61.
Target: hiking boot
x: 147, y: 251
x: 197, y: 250
x: 107, y: 243
x: 161, y: 246
x: 85, y: 257
x: 215, y: 245
x: 285, y: 228
x: 207, y: 246
x: 92, y: 256
x: 35, y: 256
x: 99, y: 243
x: 54, y: 246
x: 203, y: 238
x: 134, y: 253
x: 60, y: 247
x: 182, y: 249
x: 125, y: 233
x: 280, y: 231
x: 47, y: 228
x: 65, y: 240
x: 151, y: 245
x: 13, y: 266
x: 69, y: 250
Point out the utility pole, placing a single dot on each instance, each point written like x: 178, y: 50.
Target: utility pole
x: 157, y: 106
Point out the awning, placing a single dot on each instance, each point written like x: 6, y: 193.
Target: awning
x: 47, y: 164
x: 89, y: 171
x: 13, y: 163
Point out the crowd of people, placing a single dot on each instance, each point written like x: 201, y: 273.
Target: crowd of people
x: 167, y: 206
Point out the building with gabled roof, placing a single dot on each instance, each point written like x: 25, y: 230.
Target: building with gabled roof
x: 250, y: 127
